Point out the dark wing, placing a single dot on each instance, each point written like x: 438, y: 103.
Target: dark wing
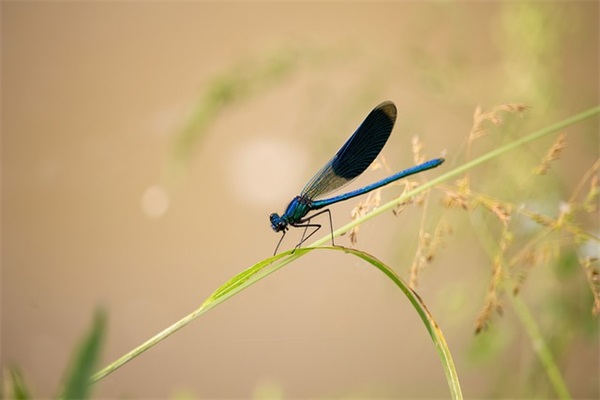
x: 356, y: 154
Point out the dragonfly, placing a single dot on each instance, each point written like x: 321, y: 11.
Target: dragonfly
x: 351, y: 160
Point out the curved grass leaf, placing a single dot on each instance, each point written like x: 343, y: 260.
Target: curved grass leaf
x: 264, y: 268
x: 432, y: 327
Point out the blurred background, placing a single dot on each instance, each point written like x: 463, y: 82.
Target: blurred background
x: 144, y: 146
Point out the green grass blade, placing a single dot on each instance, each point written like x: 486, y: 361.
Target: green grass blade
x: 541, y: 348
x: 78, y: 383
x: 17, y: 386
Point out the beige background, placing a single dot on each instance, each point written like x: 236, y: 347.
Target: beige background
x: 94, y: 99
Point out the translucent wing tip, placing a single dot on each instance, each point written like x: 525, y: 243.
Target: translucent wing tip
x: 389, y: 108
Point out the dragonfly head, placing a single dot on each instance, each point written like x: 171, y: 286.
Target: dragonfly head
x: 277, y: 223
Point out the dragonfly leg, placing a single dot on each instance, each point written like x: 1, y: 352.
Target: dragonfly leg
x: 305, y: 223
x: 278, y: 243
x: 330, y: 226
x: 306, y: 226
x: 304, y: 232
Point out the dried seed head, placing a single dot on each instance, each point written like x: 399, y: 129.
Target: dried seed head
x: 553, y: 154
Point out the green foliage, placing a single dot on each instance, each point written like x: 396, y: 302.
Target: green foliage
x: 17, y: 385
x: 77, y: 384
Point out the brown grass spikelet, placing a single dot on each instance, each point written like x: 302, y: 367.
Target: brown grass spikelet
x: 420, y: 261
x: 380, y: 163
x: 553, y: 154
x: 500, y: 210
x: 528, y: 262
x: 529, y: 258
x: 541, y: 220
x: 372, y: 201
x: 417, y: 150
x: 492, y: 303
x: 515, y: 108
x: 477, y: 130
x: 589, y: 203
x: 356, y: 213
x: 495, y: 289
x: 593, y: 277
x: 419, y: 199
x: 453, y: 199
x: 427, y: 248
x: 408, y: 186
x: 493, y: 116
x: 400, y: 207
x: 461, y: 197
